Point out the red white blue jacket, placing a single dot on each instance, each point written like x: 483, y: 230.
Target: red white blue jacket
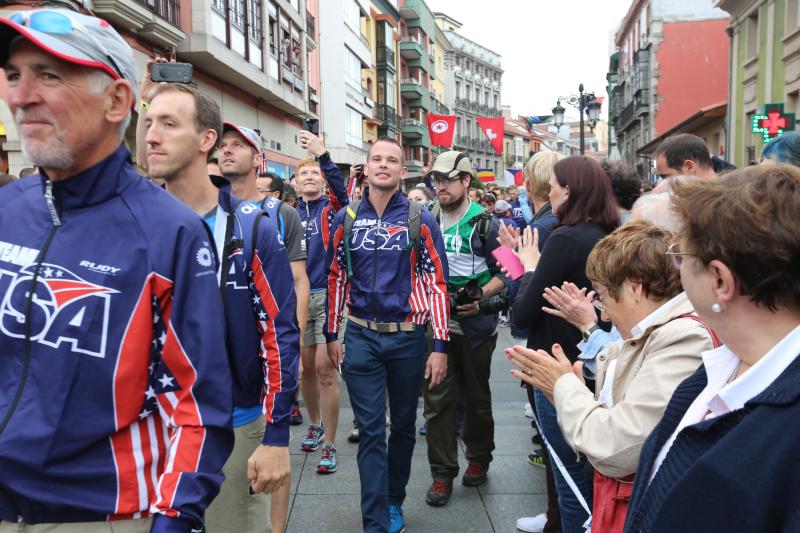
x: 316, y: 217
x: 115, y: 388
x: 260, y: 309
x: 390, y: 282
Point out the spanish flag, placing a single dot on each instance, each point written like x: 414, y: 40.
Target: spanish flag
x: 486, y: 175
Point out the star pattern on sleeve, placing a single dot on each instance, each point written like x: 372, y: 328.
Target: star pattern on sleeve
x: 160, y: 380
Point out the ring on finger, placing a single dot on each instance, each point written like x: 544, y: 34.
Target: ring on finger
x: 529, y: 372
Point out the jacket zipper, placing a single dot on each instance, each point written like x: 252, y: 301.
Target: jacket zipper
x: 26, y: 361
x: 375, y: 269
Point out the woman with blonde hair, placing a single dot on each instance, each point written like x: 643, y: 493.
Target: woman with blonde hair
x: 639, y: 291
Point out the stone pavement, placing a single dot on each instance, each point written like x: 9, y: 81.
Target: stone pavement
x: 515, y: 488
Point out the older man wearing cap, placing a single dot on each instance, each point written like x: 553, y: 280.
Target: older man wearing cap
x: 114, y: 402
x: 470, y: 235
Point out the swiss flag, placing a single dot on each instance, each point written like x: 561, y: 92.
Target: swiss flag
x: 441, y: 129
x: 493, y: 128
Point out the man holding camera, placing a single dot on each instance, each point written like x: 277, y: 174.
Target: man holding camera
x: 475, y: 285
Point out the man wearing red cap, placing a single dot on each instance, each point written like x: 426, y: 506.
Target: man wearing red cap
x: 115, y: 406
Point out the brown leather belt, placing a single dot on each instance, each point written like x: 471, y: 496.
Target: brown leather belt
x: 385, y: 327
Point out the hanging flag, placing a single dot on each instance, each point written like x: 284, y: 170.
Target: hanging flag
x: 263, y: 166
x: 530, y: 121
x: 441, y: 129
x: 493, y: 128
x: 486, y: 175
x: 514, y: 177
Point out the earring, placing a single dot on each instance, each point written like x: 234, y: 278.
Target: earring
x: 716, y: 308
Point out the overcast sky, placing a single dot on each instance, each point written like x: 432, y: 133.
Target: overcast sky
x: 548, y: 47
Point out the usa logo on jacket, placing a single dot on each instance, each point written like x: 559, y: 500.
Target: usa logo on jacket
x: 64, y: 307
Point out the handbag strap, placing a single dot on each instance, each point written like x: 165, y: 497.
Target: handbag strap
x: 714, y: 339
x: 567, y: 477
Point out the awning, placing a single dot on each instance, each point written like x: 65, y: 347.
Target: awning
x: 704, y: 117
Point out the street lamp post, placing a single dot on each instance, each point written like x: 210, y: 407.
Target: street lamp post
x: 584, y: 102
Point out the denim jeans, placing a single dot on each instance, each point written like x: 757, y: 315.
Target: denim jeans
x: 374, y: 363
x: 572, y: 513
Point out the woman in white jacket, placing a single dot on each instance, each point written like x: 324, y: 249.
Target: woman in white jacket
x: 639, y: 290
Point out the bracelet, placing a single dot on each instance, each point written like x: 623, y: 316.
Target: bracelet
x: 531, y: 269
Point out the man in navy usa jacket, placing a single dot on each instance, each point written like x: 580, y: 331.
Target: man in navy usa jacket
x: 393, y: 288
x: 115, y: 388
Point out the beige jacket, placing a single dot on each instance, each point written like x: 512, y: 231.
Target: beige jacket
x: 649, y: 369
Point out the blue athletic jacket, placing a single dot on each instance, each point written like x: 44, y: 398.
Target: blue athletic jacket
x: 316, y: 217
x: 260, y: 308
x: 390, y: 282
x: 115, y: 388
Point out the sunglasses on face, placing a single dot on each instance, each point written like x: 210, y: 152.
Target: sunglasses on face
x: 55, y: 23
x: 598, y: 304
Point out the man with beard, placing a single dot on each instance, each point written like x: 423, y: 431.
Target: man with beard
x: 393, y: 287
x: 115, y: 407
x: 182, y: 127
x: 470, y: 235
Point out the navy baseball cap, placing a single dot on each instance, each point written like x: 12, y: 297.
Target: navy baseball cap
x: 73, y: 37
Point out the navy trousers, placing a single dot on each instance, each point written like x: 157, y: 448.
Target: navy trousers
x: 377, y: 362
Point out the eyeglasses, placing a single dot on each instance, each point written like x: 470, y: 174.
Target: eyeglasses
x: 444, y: 180
x: 677, y: 255
x: 598, y: 304
x: 55, y: 23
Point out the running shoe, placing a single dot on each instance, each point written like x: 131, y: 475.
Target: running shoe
x: 314, y: 436
x: 396, y: 522
x: 327, y: 465
x: 297, y: 416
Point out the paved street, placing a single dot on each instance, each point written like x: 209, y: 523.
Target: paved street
x: 514, y: 488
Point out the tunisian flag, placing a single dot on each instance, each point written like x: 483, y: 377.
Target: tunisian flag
x: 441, y: 129
x: 493, y: 128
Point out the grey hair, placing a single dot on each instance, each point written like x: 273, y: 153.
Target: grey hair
x: 657, y: 208
x: 98, y: 82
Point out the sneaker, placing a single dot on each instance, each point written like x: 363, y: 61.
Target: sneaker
x: 297, y: 416
x: 423, y: 429
x: 536, y: 458
x: 532, y: 524
x: 354, y: 435
x: 314, y: 435
x: 327, y: 465
x: 439, y: 493
x: 396, y: 522
x: 475, y: 475
x: 528, y: 410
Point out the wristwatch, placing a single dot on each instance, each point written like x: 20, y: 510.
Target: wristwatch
x: 322, y: 155
x: 586, y: 334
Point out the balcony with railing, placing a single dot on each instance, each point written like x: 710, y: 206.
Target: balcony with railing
x: 412, y: 128
x: 155, y: 20
x: 385, y: 57
x: 169, y: 10
x: 410, y: 47
x: 411, y: 88
x: 386, y: 114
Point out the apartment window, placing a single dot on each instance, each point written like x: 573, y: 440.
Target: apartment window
x: 388, y: 35
x: 752, y: 35
x: 254, y: 19
x: 352, y: 68
x: 792, y: 101
x: 237, y: 13
x: 352, y: 15
x: 353, y: 128
x: 496, y: 101
x: 792, y: 16
x: 295, y: 4
x: 273, y: 32
x: 218, y: 6
x: 390, y: 89
x: 458, y: 89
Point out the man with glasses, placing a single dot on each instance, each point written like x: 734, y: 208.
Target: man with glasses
x: 470, y: 235
x: 115, y: 407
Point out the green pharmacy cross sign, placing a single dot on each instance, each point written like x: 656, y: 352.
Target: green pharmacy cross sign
x: 773, y: 122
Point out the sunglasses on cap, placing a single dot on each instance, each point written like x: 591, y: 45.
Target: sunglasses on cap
x: 56, y: 23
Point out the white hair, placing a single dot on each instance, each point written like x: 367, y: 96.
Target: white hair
x: 657, y: 208
x: 98, y: 82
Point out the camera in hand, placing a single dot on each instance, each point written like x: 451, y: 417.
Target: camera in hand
x: 473, y: 293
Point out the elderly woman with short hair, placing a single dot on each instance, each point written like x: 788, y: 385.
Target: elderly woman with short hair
x: 724, y: 455
x: 639, y: 290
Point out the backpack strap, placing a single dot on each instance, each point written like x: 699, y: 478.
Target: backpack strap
x: 714, y: 339
x: 351, y: 211
x: 414, y: 225
x: 272, y: 206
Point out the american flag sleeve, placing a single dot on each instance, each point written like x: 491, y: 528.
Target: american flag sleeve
x: 338, y: 284
x: 434, y: 274
x: 275, y: 305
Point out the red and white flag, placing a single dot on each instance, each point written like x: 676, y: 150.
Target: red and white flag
x: 493, y: 128
x: 441, y: 129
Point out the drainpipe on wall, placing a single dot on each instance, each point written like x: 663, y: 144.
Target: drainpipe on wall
x: 728, y: 155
